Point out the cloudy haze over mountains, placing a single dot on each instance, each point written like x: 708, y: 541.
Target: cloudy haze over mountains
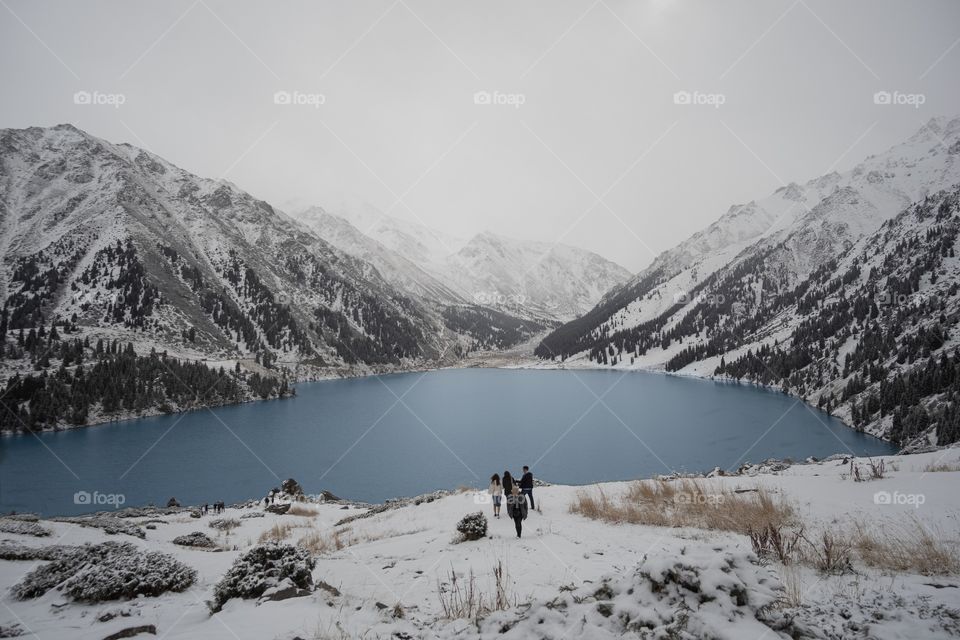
x: 381, y: 103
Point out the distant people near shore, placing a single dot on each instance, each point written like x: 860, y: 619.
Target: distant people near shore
x: 526, y: 485
x: 517, y: 508
x: 496, y: 492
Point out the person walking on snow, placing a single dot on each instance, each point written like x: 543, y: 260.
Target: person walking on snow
x: 507, y: 483
x: 496, y: 491
x: 517, y: 508
x: 526, y: 485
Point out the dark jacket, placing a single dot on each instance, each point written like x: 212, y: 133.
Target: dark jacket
x: 507, y: 485
x: 517, y: 506
x: 526, y: 482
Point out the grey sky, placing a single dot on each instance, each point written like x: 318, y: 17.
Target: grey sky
x: 399, y: 118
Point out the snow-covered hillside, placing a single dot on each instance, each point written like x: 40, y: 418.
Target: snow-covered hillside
x: 533, y: 280
x: 764, y: 273
x: 401, y: 572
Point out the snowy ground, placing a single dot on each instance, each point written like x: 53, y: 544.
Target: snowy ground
x: 554, y: 574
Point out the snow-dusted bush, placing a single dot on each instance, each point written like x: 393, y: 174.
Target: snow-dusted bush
x: 107, y: 571
x: 10, y: 550
x: 252, y: 514
x: 109, y: 524
x: 23, y: 527
x: 261, y: 568
x: 473, y: 526
x: 224, y: 524
x: 195, y: 539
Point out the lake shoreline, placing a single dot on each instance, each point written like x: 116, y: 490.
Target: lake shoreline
x: 477, y: 361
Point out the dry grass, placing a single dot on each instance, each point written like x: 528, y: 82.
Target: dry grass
x: 302, y: 510
x: 281, y: 531
x: 463, y: 598
x: 941, y: 467
x: 321, y: 543
x: 910, y: 547
x: 686, y: 503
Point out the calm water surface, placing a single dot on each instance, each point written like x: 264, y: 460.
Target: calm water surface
x: 376, y: 438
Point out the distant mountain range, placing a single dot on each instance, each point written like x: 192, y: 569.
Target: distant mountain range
x: 108, y: 242
x: 837, y: 290
x: 532, y: 280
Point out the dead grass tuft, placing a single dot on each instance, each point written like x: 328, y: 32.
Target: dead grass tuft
x: 686, y: 503
x: 909, y: 547
x: 941, y: 467
x: 304, y: 510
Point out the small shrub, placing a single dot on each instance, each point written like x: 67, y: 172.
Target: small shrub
x: 224, y: 524
x: 107, y: 571
x: 195, y: 539
x: 473, y: 526
x: 831, y: 553
x: 261, y: 568
x: 302, y: 510
x: 24, y: 527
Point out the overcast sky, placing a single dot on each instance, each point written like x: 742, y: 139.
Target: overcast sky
x: 587, y: 147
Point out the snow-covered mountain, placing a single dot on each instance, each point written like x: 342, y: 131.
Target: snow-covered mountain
x: 533, y: 280
x: 112, y: 238
x: 755, y: 276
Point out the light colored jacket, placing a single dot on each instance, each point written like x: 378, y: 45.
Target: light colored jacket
x: 496, y: 489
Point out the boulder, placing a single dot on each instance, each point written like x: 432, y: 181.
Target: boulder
x: 291, y: 487
x: 172, y: 503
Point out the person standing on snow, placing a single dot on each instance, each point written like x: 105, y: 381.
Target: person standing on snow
x: 517, y: 508
x: 496, y: 491
x: 526, y: 484
x: 507, y: 483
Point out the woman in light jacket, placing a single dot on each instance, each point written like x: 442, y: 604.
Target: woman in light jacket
x: 496, y: 491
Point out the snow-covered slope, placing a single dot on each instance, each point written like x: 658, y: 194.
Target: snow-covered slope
x: 115, y: 238
x: 397, y: 269
x: 387, y: 575
x: 534, y: 280
x: 740, y: 283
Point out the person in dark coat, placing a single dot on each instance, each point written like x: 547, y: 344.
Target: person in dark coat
x: 526, y: 485
x: 507, y: 483
x: 517, y: 508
